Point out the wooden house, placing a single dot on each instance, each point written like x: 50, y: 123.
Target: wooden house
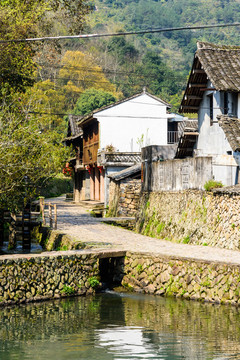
x: 213, y: 92
x: 110, y: 139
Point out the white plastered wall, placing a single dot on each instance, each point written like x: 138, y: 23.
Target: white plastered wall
x: 212, y: 140
x: 125, y: 125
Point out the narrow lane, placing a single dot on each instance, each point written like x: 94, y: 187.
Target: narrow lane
x: 76, y: 222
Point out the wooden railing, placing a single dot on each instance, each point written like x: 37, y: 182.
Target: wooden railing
x: 51, y: 214
x: 173, y: 137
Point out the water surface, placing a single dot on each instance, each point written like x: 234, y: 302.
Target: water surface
x: 119, y: 326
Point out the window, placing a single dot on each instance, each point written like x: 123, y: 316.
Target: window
x: 210, y: 97
x: 225, y: 103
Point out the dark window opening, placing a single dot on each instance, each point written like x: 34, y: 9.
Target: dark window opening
x: 225, y: 103
x: 172, y: 134
x: 211, y: 108
x: 229, y: 152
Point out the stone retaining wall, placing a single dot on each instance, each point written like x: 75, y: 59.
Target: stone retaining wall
x: 44, y: 277
x: 196, y: 280
x: 191, y: 217
x: 124, y: 197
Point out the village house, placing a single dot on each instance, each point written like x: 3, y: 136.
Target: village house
x: 110, y: 139
x: 213, y: 91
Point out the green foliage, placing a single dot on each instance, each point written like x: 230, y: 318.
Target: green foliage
x: 139, y: 268
x: 62, y: 248
x: 30, y: 154
x: 57, y: 186
x: 24, y: 19
x: 31, y: 146
x: 68, y: 290
x: 212, y: 184
x: 124, y: 56
x: 92, y: 99
x: 160, y: 227
x: 186, y: 240
x: 93, y: 282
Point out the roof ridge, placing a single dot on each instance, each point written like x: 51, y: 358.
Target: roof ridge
x: 204, y: 45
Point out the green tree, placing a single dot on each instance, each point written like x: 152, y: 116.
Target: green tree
x: 92, y: 99
x: 30, y: 154
x: 159, y: 77
x: 23, y: 19
x: 31, y: 151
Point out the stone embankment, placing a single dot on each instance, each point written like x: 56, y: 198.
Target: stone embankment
x: 192, y: 217
x: 35, y: 278
x: 143, y: 263
x: 196, y: 280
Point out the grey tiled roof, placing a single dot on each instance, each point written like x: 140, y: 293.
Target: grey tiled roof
x: 123, y: 174
x: 231, y: 128
x: 230, y: 190
x: 74, y: 131
x: 221, y: 64
x: 218, y: 63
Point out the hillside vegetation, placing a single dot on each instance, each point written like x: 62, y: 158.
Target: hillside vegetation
x: 161, y: 62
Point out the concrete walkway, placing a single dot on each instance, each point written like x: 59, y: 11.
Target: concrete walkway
x: 76, y: 222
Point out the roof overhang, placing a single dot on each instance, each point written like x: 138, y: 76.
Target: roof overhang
x: 196, y: 86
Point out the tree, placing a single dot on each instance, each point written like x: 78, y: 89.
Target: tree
x: 23, y: 19
x: 30, y: 154
x: 31, y: 151
x: 92, y: 99
x: 80, y: 73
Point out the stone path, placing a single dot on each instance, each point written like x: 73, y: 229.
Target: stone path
x: 76, y: 222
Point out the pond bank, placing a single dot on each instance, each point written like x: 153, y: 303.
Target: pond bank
x: 141, y: 263
x: 25, y: 278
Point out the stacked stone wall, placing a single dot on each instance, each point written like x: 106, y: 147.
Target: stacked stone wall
x: 191, y: 217
x: 124, y: 197
x: 39, y: 278
x: 195, y: 280
x: 44, y: 277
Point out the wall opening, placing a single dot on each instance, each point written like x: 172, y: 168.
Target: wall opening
x: 111, y: 272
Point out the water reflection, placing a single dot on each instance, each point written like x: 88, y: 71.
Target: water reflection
x: 119, y: 326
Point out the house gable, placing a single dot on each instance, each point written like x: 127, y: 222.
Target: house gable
x: 139, y: 121
x: 215, y: 68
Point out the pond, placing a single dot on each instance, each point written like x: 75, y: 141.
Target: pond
x: 119, y: 326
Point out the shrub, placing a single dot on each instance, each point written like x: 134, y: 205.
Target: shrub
x: 68, y: 290
x: 93, y: 281
x: 212, y: 184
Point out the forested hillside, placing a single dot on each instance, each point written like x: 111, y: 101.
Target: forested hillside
x: 147, y: 14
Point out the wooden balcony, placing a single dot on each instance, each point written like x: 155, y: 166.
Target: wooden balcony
x: 90, y: 153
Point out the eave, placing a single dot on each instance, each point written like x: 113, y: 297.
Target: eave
x: 197, y: 84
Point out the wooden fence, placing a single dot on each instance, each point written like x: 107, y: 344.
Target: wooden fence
x: 51, y: 213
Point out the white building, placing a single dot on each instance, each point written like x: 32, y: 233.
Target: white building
x: 112, y: 138
x: 213, y: 91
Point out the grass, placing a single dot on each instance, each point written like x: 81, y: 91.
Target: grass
x: 212, y: 184
x: 186, y: 240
